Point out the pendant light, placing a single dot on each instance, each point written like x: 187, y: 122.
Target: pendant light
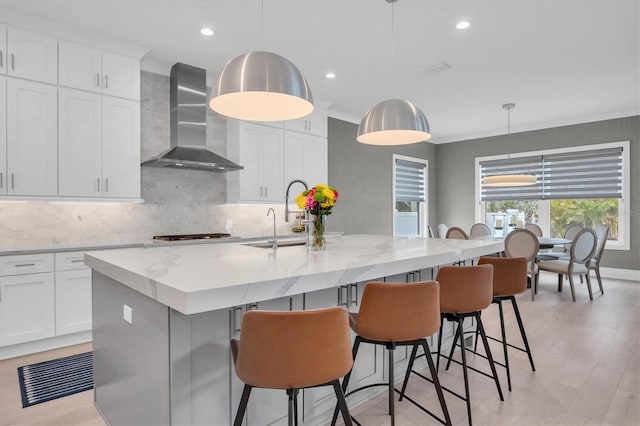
x: 261, y: 86
x: 509, y: 179
x: 394, y: 121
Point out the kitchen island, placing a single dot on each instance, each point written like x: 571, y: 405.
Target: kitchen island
x: 163, y: 317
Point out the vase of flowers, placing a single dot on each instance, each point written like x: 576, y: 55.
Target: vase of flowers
x: 318, y: 201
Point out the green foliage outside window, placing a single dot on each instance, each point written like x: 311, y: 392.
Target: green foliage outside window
x: 586, y: 212
x: 529, y: 208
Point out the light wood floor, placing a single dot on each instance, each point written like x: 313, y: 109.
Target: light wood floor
x: 587, y: 357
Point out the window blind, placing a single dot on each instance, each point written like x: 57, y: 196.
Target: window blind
x: 410, y: 180
x: 586, y: 174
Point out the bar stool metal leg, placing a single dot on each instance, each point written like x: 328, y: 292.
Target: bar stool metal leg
x: 522, y: 332
x: 243, y: 405
x: 489, y: 356
x: 504, y: 344
x: 391, y: 349
x: 460, y: 336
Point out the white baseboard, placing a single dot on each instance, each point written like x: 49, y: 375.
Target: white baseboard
x: 619, y: 274
x: 44, y: 345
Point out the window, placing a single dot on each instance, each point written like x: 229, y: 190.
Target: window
x: 585, y: 185
x: 409, y: 196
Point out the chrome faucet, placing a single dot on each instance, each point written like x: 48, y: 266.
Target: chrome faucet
x: 275, y: 238
x: 286, y: 197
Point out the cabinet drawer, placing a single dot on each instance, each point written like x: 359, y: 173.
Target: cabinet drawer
x: 69, y: 261
x: 21, y: 264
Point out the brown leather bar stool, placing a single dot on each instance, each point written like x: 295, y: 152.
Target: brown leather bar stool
x: 398, y: 314
x: 292, y: 351
x: 509, y: 279
x: 464, y: 292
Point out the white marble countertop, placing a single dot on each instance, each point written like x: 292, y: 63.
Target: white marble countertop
x: 205, y: 277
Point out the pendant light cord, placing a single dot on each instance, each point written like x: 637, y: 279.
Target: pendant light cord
x: 393, y: 48
x: 262, y: 25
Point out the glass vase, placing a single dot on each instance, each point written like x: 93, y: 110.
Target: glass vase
x: 317, y: 233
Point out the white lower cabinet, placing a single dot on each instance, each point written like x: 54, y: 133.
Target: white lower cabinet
x: 26, y: 308
x: 73, y: 301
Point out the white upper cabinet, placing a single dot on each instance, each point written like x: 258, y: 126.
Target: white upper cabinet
x: 259, y: 149
x: 32, y: 138
x: 3, y: 49
x: 120, y: 148
x: 31, y: 55
x: 79, y: 143
x: 314, y: 123
x: 305, y: 157
x: 87, y: 68
x: 3, y: 135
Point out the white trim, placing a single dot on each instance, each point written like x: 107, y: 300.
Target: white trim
x: 624, y: 213
x: 424, y: 208
x: 27, y: 348
x: 619, y: 274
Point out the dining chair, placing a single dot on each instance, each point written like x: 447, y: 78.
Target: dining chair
x: 582, y: 250
x: 570, y: 234
x: 456, y: 233
x: 602, y: 233
x: 442, y: 230
x: 524, y: 243
x: 479, y: 229
x: 537, y: 231
x: 430, y: 231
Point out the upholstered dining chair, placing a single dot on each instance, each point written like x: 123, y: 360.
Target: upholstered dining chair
x: 602, y: 232
x: 523, y: 243
x: 570, y: 234
x: 582, y: 250
x: 456, y: 233
x: 537, y: 231
x: 442, y: 230
x: 479, y: 229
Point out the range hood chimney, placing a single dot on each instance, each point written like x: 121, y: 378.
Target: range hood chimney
x: 188, y: 124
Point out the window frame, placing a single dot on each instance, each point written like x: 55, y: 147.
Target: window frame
x: 423, y: 210
x: 624, y: 203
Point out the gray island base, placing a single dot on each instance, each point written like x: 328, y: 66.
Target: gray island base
x: 163, y: 317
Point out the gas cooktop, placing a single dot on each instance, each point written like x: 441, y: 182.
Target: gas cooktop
x: 186, y: 237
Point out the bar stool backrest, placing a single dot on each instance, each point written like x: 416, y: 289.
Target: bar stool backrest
x: 287, y: 350
x: 399, y: 312
x: 522, y: 243
x: 509, y: 274
x: 465, y: 288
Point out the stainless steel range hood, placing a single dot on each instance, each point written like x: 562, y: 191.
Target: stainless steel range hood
x: 188, y: 124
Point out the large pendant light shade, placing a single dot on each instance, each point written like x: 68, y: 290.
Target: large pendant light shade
x: 393, y: 122
x: 261, y: 86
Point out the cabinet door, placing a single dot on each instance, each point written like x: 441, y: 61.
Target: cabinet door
x: 121, y: 76
x: 32, y: 55
x: 271, y: 158
x: 3, y: 49
x: 315, y: 160
x: 26, y: 308
x: 3, y: 135
x: 32, y: 138
x: 314, y: 123
x: 120, y: 148
x: 80, y: 67
x: 79, y: 143
x: 249, y: 136
x: 73, y: 301
x: 294, y: 151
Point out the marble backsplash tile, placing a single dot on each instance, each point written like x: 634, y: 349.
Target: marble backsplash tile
x: 176, y: 201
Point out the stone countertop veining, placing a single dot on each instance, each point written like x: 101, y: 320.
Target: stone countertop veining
x: 205, y: 277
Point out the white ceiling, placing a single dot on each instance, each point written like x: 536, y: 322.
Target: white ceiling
x: 561, y: 61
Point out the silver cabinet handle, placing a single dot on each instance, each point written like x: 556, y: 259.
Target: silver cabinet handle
x: 1, y: 181
x: 98, y: 79
x: 106, y: 185
x: 22, y: 265
x: 106, y: 81
x: 77, y: 260
x: 13, y: 62
x: 234, y: 324
x: 98, y: 184
x: 266, y: 191
x: 1, y: 59
x: 13, y: 182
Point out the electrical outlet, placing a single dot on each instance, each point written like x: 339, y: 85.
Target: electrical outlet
x: 127, y: 314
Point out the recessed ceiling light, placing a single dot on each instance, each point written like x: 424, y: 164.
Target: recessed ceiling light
x: 330, y: 75
x: 462, y: 25
x: 206, y: 31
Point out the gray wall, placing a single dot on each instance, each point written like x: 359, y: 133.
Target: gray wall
x: 456, y: 166
x: 363, y: 176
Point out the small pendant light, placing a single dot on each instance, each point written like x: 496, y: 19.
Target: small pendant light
x: 394, y: 121
x: 511, y: 179
x: 261, y: 86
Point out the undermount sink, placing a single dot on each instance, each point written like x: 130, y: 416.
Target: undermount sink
x: 284, y: 243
